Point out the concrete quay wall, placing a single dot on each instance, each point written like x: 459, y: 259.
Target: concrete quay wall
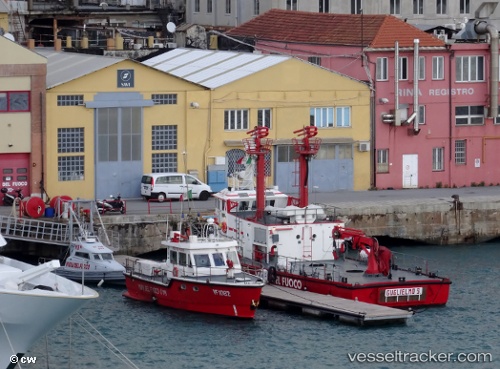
x: 423, y: 221
x: 434, y: 222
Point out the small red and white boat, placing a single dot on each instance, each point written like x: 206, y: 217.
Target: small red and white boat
x: 202, y: 273
x: 302, y: 247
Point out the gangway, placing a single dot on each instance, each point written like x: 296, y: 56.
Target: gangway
x: 28, y: 229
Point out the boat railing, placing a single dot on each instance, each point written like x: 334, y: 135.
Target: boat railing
x: 413, y: 263
x: 157, y: 271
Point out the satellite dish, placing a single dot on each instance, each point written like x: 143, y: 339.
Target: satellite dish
x: 171, y: 27
x: 9, y: 36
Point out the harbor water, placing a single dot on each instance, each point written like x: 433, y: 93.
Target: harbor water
x: 466, y: 329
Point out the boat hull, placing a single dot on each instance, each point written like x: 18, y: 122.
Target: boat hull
x: 239, y: 301
x: 432, y: 292
x: 28, y: 317
x: 92, y: 277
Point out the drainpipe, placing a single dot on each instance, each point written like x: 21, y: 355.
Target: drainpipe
x: 396, y: 78
x: 481, y: 27
x: 416, y: 129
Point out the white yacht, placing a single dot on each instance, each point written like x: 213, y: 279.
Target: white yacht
x: 32, y: 301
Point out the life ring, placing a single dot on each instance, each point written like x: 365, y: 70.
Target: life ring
x: 271, y: 275
x: 176, y: 272
x: 223, y: 227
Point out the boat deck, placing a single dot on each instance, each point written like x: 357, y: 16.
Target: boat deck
x: 349, y: 311
x: 353, y: 270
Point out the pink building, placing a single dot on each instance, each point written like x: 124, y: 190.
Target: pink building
x: 441, y: 129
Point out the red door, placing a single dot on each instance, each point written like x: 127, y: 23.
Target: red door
x: 15, y: 174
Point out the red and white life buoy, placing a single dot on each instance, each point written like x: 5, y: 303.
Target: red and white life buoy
x: 176, y: 272
x: 223, y: 227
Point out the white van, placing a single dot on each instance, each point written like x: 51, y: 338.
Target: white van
x: 163, y: 186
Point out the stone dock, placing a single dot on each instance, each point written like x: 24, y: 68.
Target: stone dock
x: 434, y: 216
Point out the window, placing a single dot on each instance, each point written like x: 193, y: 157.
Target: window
x: 130, y: 137
x: 343, y: 116
x: 438, y: 67
x: 438, y: 159
x: 256, y: 7
x: 418, y: 6
x: 164, y: 99
x: 469, y: 115
x: 183, y: 259
x: 440, y: 6
x: 324, y: 118
x: 264, y: 118
x: 228, y: 6
x: 173, y: 256
x: 69, y: 100
x: 464, y: 6
x: 382, y: 69
x: 321, y: 117
x: 202, y: 260
x: 209, y: 6
x: 469, y: 68
x: 164, y: 138
x: 324, y: 6
x: 196, y: 6
x: 421, y: 68
x: 235, y: 120
x: 421, y: 114
x: 314, y: 60
x: 218, y: 259
x: 356, y: 6
x: 460, y: 152
x: 403, y: 68
x: 292, y: 4
x: 70, y: 168
x: 383, y: 161
x: 18, y: 101
x: 395, y: 7
x: 70, y: 140
x: 166, y: 162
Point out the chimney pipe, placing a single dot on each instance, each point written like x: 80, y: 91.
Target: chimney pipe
x: 481, y: 27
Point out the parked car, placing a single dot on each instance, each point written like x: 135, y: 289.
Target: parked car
x: 180, y: 186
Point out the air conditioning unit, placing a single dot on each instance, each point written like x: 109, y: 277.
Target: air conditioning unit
x: 364, y: 146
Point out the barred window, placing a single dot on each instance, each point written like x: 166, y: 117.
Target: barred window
x: 70, y: 140
x: 460, y: 151
x: 235, y: 119
x: 71, y: 168
x: 14, y: 101
x: 164, y: 99
x: 164, y: 138
x: 166, y: 162
x: 69, y: 100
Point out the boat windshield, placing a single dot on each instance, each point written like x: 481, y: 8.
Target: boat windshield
x: 107, y: 256
x: 202, y: 260
x: 218, y: 259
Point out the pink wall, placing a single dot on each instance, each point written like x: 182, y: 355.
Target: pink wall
x: 439, y: 98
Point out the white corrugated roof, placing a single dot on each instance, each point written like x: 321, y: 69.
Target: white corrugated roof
x: 63, y: 66
x: 212, y: 68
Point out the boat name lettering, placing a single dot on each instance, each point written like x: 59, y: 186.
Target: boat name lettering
x: 289, y: 282
x: 408, y: 291
x: 154, y: 290
x: 222, y: 293
x: 70, y: 264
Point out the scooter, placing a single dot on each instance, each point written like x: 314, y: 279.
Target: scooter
x: 9, y: 198
x: 113, y: 205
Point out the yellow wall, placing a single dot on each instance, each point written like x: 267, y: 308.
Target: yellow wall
x: 147, y: 81
x: 289, y: 89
